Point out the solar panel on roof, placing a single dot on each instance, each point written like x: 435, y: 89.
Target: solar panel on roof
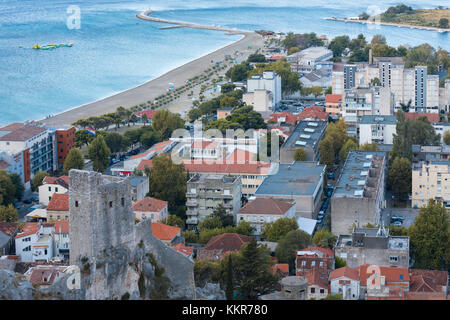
x: 313, y: 124
x: 305, y: 136
x: 301, y: 143
x: 366, y: 164
x: 369, y: 156
x: 361, y: 182
x: 309, y: 130
x: 364, y: 173
x: 358, y: 192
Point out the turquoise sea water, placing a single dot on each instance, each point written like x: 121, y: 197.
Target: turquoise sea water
x: 114, y: 51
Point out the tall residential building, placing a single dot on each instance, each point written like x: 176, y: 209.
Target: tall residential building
x: 359, y: 191
x: 430, y: 180
x: 357, y: 103
x: 37, y: 144
x: 269, y: 81
x: 337, y: 79
x: 420, y: 75
x: 432, y: 98
x: 206, y: 191
x: 349, y: 76
x: 65, y: 140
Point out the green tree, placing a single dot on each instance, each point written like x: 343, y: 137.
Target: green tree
x: 18, y: 185
x: 37, y: 179
x: 189, y: 236
x: 326, y: 152
x: 348, y: 145
x: 174, y: 220
x: 398, y: 231
x: 144, y: 119
x: 369, y: 146
x: 430, y: 237
x: 338, y: 45
x: 99, y: 153
x: 7, y: 189
x: 74, y: 160
x: 443, y: 23
x: 256, y: 57
x: 399, y: 176
x: 288, y: 245
x: 8, y: 213
x: 82, y: 137
x: 116, y: 142
x: 402, y: 144
x: 149, y: 138
x: 254, y: 275
x: 244, y: 227
x: 447, y: 137
x: 165, y: 122
x: 221, y: 213
x: 210, y: 223
x: 300, y: 154
x: 339, y: 263
x: 324, y: 239
x: 229, y: 289
x: 337, y: 296
x: 239, y: 72
x: 274, y: 231
x: 168, y: 183
x: 227, y: 87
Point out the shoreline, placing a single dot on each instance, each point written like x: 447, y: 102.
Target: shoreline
x: 391, y: 24
x: 157, y: 86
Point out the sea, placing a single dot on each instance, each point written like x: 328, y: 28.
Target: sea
x: 113, y: 50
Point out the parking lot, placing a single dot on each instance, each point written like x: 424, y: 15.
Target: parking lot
x: 409, y: 215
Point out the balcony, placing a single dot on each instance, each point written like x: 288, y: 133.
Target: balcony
x: 192, y: 220
x: 191, y: 203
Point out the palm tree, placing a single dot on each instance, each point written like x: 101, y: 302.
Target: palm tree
x: 144, y: 119
x: 128, y: 114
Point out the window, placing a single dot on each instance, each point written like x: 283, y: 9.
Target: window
x: 122, y: 202
x: 56, y: 189
x: 393, y: 258
x: 322, y: 291
x: 110, y: 204
x: 49, y: 188
x: 313, y: 290
x: 76, y: 204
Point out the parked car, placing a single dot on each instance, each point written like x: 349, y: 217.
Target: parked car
x: 397, y: 217
x: 319, y: 219
x: 329, y: 193
x: 35, y: 199
x: 28, y: 201
x: 330, y: 175
x: 397, y: 223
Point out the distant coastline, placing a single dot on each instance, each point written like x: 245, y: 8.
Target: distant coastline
x: 400, y: 25
x: 155, y: 87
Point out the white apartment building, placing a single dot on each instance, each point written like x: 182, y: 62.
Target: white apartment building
x: 432, y: 101
x: 379, y: 129
x: 50, y: 186
x: 35, y: 242
x: 269, y: 81
x: 260, y: 99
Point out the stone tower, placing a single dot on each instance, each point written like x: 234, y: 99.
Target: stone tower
x: 100, y: 213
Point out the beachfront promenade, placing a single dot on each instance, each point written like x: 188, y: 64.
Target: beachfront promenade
x: 153, y: 88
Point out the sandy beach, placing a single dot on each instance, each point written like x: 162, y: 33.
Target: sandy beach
x: 155, y: 87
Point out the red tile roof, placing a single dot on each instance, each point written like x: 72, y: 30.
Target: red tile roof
x: 325, y: 251
x: 46, y: 275
x: 210, y: 255
x: 255, y: 167
x: 391, y: 274
x: 432, y: 117
x: 145, y: 163
x: 351, y: 273
x: 148, y: 112
x: 21, y: 132
x: 61, y: 227
x: 425, y: 296
x: 313, y: 113
x: 282, y: 268
x: 240, y: 156
x: 227, y: 242
x: 316, y: 278
x: 267, y: 206
x: 427, y: 280
x: 333, y: 98
x: 186, y: 250
x: 59, y: 202
x: 204, y: 144
x: 149, y: 204
x: 155, y: 148
x: 63, y: 181
x: 28, y: 229
x: 164, y: 231
x: 289, y: 117
x: 8, y: 228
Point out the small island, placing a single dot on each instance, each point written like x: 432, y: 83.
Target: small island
x: 402, y: 15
